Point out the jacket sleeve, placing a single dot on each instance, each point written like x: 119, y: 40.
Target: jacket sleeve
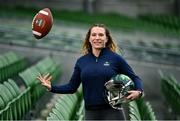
x: 124, y: 68
x: 70, y: 87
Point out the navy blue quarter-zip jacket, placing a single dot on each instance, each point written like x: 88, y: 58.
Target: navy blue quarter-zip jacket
x: 94, y: 72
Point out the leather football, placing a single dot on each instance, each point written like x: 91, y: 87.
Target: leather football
x: 42, y: 23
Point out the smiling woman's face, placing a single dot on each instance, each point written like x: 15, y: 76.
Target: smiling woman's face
x: 98, y: 38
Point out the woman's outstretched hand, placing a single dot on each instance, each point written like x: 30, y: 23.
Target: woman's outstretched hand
x: 45, y: 80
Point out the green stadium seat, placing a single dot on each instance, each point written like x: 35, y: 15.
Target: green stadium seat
x: 15, y: 86
x: 58, y: 114
x: 63, y: 110
x: 13, y: 94
x: 3, y: 95
x: 6, y: 113
x: 133, y: 117
x: 80, y: 112
x: 68, y: 104
x: 10, y: 64
x: 171, y: 90
x: 11, y: 89
x: 53, y: 117
x: 141, y: 110
x: 2, y: 103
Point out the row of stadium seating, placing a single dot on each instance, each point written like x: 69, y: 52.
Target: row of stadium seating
x: 141, y: 110
x: 15, y: 101
x: 162, y: 23
x: 164, y: 20
x: 29, y: 76
x: 10, y: 64
x: 171, y: 92
x: 68, y: 107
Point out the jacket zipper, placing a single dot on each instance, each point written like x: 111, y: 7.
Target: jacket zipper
x: 96, y: 60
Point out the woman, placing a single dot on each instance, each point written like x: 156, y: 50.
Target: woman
x: 98, y: 64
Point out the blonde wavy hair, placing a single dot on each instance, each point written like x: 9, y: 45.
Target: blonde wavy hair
x: 111, y: 45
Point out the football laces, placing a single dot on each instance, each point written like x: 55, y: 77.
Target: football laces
x: 33, y: 20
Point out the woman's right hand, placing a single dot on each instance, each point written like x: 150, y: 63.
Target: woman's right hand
x: 45, y: 80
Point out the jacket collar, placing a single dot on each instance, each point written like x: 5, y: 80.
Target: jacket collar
x: 103, y: 51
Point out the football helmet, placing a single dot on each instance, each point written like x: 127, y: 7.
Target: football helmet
x: 116, y: 90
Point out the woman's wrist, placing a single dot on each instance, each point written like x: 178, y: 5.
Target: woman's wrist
x: 140, y: 93
x: 49, y: 87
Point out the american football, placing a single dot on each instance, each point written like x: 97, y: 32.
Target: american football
x: 42, y: 23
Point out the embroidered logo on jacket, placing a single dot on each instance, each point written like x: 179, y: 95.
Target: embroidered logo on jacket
x: 106, y: 63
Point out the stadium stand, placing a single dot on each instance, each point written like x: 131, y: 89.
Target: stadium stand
x: 171, y: 92
x: 141, y: 110
x: 29, y: 76
x: 16, y: 101
x: 68, y: 107
x: 10, y: 64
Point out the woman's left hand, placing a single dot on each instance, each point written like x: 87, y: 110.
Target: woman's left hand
x: 133, y: 94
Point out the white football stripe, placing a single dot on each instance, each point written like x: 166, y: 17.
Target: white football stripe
x: 43, y: 12
x: 36, y: 33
